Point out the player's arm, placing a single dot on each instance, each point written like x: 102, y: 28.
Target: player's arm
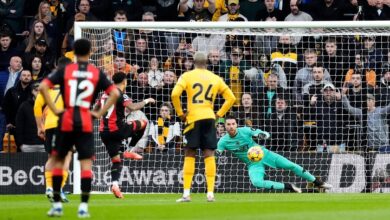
x: 229, y: 99
x: 139, y: 105
x: 175, y: 96
x: 44, y: 87
x: 259, y: 133
x: 38, y: 105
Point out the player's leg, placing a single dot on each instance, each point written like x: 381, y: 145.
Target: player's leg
x: 209, y: 144
x: 281, y: 162
x: 256, y: 175
x: 86, y: 151
x: 67, y: 161
x: 112, y: 141
x: 49, y: 164
x: 135, y: 130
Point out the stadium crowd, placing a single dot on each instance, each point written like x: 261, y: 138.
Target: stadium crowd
x: 324, y: 93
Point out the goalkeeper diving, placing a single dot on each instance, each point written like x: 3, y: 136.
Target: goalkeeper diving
x: 239, y: 140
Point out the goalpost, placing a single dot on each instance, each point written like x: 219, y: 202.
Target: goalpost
x: 308, y: 120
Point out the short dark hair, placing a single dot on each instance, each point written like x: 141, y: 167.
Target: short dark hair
x: 120, y: 12
x: 231, y: 117
x: 118, y: 77
x: 318, y: 64
x: 82, y: 47
x: 5, y: 34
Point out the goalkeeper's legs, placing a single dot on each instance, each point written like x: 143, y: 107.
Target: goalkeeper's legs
x: 256, y: 175
x: 188, y: 173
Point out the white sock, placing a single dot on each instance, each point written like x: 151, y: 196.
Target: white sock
x: 186, y: 193
x: 83, y: 206
x: 57, y: 205
x: 210, y: 194
x: 115, y: 183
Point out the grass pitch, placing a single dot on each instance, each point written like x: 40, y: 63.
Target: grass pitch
x: 251, y: 206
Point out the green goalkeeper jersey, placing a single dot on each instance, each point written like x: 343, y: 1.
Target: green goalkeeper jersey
x: 240, y: 143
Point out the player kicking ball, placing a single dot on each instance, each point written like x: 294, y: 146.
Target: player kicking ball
x: 113, y: 129
x: 239, y: 140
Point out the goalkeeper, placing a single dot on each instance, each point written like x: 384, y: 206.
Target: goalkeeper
x: 239, y: 140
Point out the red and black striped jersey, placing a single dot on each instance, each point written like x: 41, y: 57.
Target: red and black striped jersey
x: 80, y: 83
x: 115, y: 116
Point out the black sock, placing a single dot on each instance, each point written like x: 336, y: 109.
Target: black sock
x: 57, y: 180
x: 318, y: 182
x: 116, y: 169
x: 288, y: 187
x: 86, y: 182
x: 137, y: 135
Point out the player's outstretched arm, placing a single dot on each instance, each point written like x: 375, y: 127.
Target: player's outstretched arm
x: 175, y: 96
x: 113, y: 96
x: 38, y: 105
x: 140, y: 105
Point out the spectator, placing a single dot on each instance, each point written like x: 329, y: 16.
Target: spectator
x: 311, y: 92
x: 265, y: 69
x: 35, y: 68
x: 297, y: 15
x: 328, y: 112
x: 356, y: 93
x: 359, y: 68
x: 155, y: 76
x: 120, y: 65
x: 250, y: 8
x: 99, y: 8
x: 132, y: 8
x: 139, y: 89
x: 326, y: 10
x: 14, y: 97
x: 37, y: 32
x: 266, y: 96
x: 379, y: 12
x: 26, y: 134
x: 122, y: 37
x: 11, y: 13
x: 286, y: 56
x: 140, y: 54
x: 305, y: 75
x: 214, y: 64
x: 197, y: 12
x: 266, y: 44
x: 84, y: 8
x: 233, y: 7
x: 45, y: 15
x: 286, y: 135
x: 157, y: 43
x: 207, y: 42
x: 165, y: 132
x: 41, y: 50
x: 383, y: 90
x: 372, y: 53
x: 377, y: 128
x: 221, y: 131
x: 167, y: 10
x: 12, y: 75
x: 67, y: 42
x: 6, y: 51
x: 334, y: 61
x: 248, y: 113
x: 270, y: 12
x: 232, y: 71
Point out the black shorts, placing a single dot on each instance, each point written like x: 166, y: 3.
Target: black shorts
x: 201, y: 134
x: 50, y: 139
x: 113, y: 140
x: 82, y: 141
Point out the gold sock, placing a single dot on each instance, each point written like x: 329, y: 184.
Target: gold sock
x: 49, y: 179
x: 64, y: 178
x: 210, y: 171
x: 188, y: 171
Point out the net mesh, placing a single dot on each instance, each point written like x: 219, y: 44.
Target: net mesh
x: 306, y: 86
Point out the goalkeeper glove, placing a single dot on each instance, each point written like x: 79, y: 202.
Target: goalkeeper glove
x: 264, y: 135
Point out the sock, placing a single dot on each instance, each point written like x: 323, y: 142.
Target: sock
x: 57, y: 179
x: 288, y: 186
x: 64, y: 178
x: 210, y: 171
x: 188, y: 172
x: 116, y: 169
x: 139, y: 127
x: 86, y: 182
x: 317, y: 182
x: 83, y: 206
x: 49, y: 179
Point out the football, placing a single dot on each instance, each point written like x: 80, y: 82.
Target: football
x: 255, y: 153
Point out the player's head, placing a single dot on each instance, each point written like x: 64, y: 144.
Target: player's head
x: 62, y: 62
x: 231, y: 125
x: 200, y: 59
x: 119, y: 79
x: 82, y: 47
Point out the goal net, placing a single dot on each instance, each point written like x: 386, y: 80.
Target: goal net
x: 321, y: 90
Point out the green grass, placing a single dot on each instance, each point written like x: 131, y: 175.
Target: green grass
x: 228, y: 206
